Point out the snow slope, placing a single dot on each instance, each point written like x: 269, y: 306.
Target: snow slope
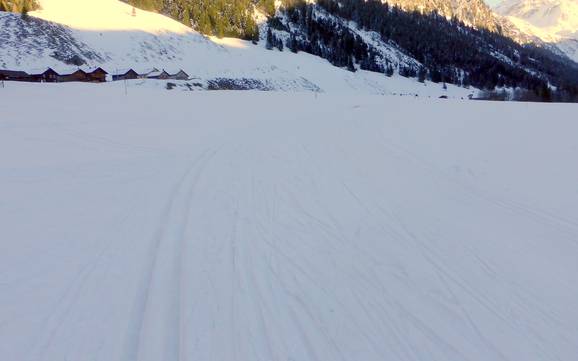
x: 553, y: 21
x: 273, y: 226
x: 105, y: 33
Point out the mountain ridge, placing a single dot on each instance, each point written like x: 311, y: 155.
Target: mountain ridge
x: 371, y: 45
x: 552, y: 21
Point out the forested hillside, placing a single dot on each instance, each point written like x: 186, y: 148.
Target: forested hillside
x: 231, y: 18
x: 464, y: 53
x: 448, y: 50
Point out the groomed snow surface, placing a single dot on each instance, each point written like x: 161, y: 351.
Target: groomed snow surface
x: 255, y: 226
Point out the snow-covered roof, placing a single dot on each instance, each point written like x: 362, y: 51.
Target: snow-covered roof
x: 147, y: 70
x: 122, y: 71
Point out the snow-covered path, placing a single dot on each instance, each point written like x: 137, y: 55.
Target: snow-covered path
x: 264, y: 226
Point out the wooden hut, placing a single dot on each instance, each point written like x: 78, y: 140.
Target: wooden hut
x: 147, y: 73
x: 159, y: 75
x: 79, y: 75
x: 14, y: 75
x: 181, y: 75
x: 50, y: 76
x: 98, y: 75
x: 125, y: 75
x: 47, y: 76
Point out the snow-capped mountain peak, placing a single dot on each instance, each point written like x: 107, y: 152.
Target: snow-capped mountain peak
x: 559, y: 16
x: 553, y: 21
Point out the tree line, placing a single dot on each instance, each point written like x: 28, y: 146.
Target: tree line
x: 222, y: 18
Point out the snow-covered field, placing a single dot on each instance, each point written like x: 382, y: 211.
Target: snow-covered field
x: 275, y: 226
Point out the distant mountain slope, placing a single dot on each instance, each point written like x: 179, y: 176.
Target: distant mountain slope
x: 352, y: 33
x: 471, y: 12
x: 454, y: 47
x: 553, y: 21
x: 108, y: 33
x: 374, y: 48
x: 28, y: 42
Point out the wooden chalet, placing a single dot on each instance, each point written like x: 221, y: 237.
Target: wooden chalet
x: 98, y: 75
x: 126, y: 75
x: 181, y: 75
x: 147, y: 73
x: 47, y: 76
x: 164, y: 75
x: 13, y: 75
x: 79, y: 75
x: 159, y: 75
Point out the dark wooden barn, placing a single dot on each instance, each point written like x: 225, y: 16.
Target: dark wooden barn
x: 126, y: 75
x: 48, y: 76
x: 79, y: 75
x: 181, y: 75
x: 14, y: 75
x: 98, y: 75
x: 162, y: 75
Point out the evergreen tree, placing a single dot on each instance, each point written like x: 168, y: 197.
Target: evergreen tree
x: 421, y: 74
x: 187, y: 16
x: 24, y: 14
x: 269, y: 44
x: 267, y: 6
x: 389, y: 70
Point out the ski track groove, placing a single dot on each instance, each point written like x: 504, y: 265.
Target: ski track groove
x: 137, y: 328
x: 268, y: 253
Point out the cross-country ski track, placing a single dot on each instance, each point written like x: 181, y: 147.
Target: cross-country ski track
x: 270, y: 226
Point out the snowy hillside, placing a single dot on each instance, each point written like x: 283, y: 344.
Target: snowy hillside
x: 324, y: 44
x: 553, y: 21
x: 105, y: 33
x: 272, y: 226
